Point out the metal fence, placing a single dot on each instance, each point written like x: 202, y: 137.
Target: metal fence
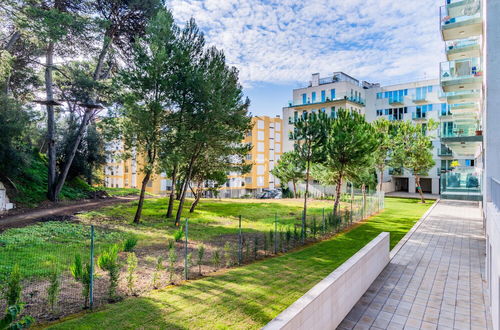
x: 65, y: 266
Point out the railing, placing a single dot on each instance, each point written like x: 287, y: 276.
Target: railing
x: 471, y: 10
x: 460, y: 132
x: 495, y: 193
x: 461, y: 69
x: 419, y: 98
x: 359, y: 100
x: 445, y: 152
x: 419, y: 115
x: 461, y: 43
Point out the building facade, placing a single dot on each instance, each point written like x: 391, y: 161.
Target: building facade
x: 417, y: 101
x: 266, y: 138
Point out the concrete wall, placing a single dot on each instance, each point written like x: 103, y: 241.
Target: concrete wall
x: 493, y: 262
x: 5, y: 203
x: 329, y: 301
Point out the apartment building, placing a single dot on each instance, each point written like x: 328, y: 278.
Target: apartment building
x: 266, y: 138
x: 417, y: 101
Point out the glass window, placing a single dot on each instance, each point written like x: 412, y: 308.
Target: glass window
x: 332, y: 112
x: 429, y: 89
x: 304, y: 98
x: 332, y: 94
x: 323, y: 96
x: 313, y: 96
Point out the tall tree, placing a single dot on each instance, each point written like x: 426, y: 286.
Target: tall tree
x: 413, y: 150
x: 384, y: 134
x: 310, y: 137
x: 349, y: 147
x: 220, y: 118
x: 290, y: 168
x: 147, y: 85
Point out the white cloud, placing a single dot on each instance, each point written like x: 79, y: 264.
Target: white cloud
x: 285, y: 41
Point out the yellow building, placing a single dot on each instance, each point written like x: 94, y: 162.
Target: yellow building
x: 266, y: 138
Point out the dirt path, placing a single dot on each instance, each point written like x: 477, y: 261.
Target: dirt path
x: 41, y: 214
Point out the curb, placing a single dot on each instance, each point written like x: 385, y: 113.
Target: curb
x: 417, y: 224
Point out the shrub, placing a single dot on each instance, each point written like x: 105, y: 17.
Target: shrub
x: 228, y: 254
x: 178, y: 234
x: 53, y: 289
x: 13, y: 287
x: 9, y: 320
x: 255, y: 247
x: 130, y: 243
x: 131, y: 267
x: 172, y: 259
x: 81, y: 274
x: 109, y: 262
x: 271, y: 240
x: 288, y: 237
x: 201, y: 253
x: 158, y: 268
x: 265, y: 244
x: 216, y: 259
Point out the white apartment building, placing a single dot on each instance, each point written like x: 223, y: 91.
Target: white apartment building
x: 418, y: 101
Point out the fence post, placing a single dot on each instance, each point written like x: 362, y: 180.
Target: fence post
x: 275, y: 232
x: 240, y: 244
x: 186, y: 251
x: 352, y: 198
x: 324, y: 224
x: 91, y: 281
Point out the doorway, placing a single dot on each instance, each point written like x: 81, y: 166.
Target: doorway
x: 426, y: 185
x: 401, y: 184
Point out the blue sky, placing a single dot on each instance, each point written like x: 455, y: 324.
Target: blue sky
x: 277, y: 45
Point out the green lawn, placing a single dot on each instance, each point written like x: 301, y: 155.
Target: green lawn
x: 250, y: 296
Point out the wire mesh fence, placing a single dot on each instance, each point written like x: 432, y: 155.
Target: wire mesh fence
x: 65, y: 267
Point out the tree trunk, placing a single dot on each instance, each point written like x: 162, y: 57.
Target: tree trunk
x: 172, y: 192
x: 381, y: 180
x: 417, y: 183
x: 183, y: 191
x: 137, y: 217
x: 294, y: 189
x: 12, y: 41
x: 197, y: 199
x: 67, y: 165
x: 304, y: 214
x: 338, y: 189
x: 51, y: 125
x: 102, y: 56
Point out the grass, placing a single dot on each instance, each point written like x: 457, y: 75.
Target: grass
x: 250, y: 296
x: 119, y: 192
x: 211, y: 219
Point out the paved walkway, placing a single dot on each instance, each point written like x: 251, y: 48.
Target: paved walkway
x: 435, y: 281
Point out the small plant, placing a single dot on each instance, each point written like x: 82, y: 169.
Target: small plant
x: 172, y: 259
x: 53, y: 289
x: 228, y: 255
x: 216, y: 259
x: 13, y: 287
x: 255, y: 247
x: 109, y: 262
x: 282, y: 238
x: 9, y: 321
x: 178, y: 234
x: 288, y: 237
x: 201, y: 253
x: 131, y: 267
x: 81, y: 273
x: 314, y: 228
x: 265, y: 245
x: 296, y: 235
x: 189, y: 263
x: 271, y: 240
x: 130, y: 243
x: 158, y: 268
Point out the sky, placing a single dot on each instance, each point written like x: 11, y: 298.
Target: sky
x: 277, y: 45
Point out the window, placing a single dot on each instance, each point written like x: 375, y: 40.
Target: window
x: 248, y: 180
x: 278, y: 127
x: 278, y: 147
x: 304, y: 98
x: 332, y: 94
x: 260, y: 181
x: 323, y: 96
x: 295, y: 115
x: 260, y: 169
x: 260, y: 158
x: 313, y: 96
x: 260, y: 146
x: 277, y: 137
x: 380, y: 112
x: 379, y: 96
x: 150, y: 183
x: 260, y: 124
x: 260, y: 135
x: 248, y: 157
x: 429, y: 89
x: 332, y: 112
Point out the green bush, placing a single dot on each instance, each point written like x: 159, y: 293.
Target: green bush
x: 53, y: 289
x: 201, y: 253
x: 178, y: 234
x: 13, y: 287
x: 9, y: 320
x: 131, y: 267
x: 130, y: 243
x: 156, y: 274
x: 109, y: 262
x: 81, y: 273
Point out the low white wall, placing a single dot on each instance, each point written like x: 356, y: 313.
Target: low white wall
x: 493, y: 262
x: 388, y: 187
x: 329, y: 301
x: 5, y: 204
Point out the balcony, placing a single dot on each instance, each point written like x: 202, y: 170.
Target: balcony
x: 418, y: 116
x: 463, y: 48
x: 463, y: 97
x: 461, y: 19
x: 461, y: 75
x: 464, y: 108
x: 445, y: 152
x: 419, y: 98
x: 462, y: 183
x: 358, y: 100
x: 396, y: 100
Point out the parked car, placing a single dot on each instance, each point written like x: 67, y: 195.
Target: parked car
x: 270, y: 194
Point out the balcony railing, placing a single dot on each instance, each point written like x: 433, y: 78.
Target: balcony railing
x: 459, y: 132
x: 456, y: 45
x: 461, y: 69
x: 470, y: 10
x: 461, y: 181
x: 418, y: 115
x: 396, y: 100
x: 359, y: 100
x: 445, y: 152
x: 419, y: 98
